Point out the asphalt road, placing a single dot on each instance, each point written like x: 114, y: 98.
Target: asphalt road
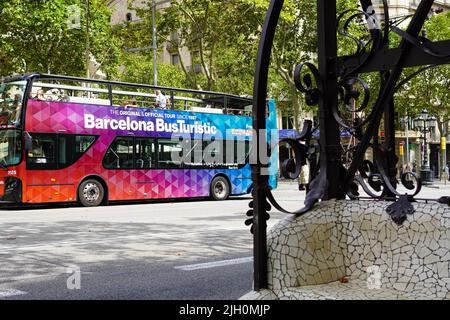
x: 130, y: 251
x: 165, y: 250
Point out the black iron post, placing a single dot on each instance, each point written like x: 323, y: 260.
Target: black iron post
x: 225, y: 105
x: 330, y: 139
x: 260, y: 180
x: 172, y: 100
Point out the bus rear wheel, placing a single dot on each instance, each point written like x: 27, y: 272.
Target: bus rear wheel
x: 91, y: 193
x: 220, y: 188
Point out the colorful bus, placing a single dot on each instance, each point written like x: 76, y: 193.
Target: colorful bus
x: 67, y: 139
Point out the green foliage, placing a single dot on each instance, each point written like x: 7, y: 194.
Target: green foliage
x: 36, y: 37
x: 216, y: 34
x: 429, y: 89
x: 222, y: 37
x: 138, y: 68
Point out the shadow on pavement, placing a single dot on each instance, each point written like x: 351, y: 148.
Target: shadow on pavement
x: 9, y: 207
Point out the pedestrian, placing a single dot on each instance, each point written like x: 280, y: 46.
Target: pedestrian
x: 447, y: 170
x: 40, y: 95
x: 131, y: 104
x: 161, y: 100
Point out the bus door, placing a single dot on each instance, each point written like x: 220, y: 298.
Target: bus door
x: 144, y: 177
x: 54, y: 167
x: 45, y: 183
x: 120, y: 165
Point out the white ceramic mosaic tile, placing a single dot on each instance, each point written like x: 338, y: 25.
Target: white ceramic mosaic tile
x: 353, y: 250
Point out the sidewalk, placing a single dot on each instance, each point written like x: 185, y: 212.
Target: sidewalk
x: 436, y: 184
x: 439, y: 184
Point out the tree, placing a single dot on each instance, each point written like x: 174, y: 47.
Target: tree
x: 430, y: 88
x: 38, y: 36
x: 198, y: 28
x: 295, y: 41
x: 207, y: 29
x: 223, y: 36
x: 138, y: 68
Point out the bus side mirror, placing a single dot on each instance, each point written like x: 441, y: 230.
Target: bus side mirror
x: 28, y: 141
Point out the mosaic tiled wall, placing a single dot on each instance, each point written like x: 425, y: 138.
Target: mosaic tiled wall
x: 353, y: 250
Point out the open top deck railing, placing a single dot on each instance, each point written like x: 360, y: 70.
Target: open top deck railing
x: 102, y: 92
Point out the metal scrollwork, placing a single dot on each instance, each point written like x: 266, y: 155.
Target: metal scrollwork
x: 376, y: 39
x: 411, y: 181
x: 291, y: 168
x: 349, y: 93
x: 352, y: 90
x: 305, y: 83
x: 374, y: 180
x: 304, y: 153
x: 369, y: 172
x: 387, y: 182
x: 344, y: 31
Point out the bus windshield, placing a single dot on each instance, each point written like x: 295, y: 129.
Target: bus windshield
x: 10, y: 148
x: 11, y: 97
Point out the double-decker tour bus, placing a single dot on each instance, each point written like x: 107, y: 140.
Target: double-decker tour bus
x: 65, y: 139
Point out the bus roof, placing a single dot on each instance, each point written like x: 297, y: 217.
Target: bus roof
x: 232, y: 101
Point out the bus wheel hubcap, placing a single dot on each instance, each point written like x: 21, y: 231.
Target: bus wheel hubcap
x: 220, y: 189
x: 91, y: 192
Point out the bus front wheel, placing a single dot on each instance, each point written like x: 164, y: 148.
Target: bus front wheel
x: 220, y: 188
x: 91, y: 193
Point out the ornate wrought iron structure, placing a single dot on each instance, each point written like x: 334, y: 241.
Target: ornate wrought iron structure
x: 344, y: 102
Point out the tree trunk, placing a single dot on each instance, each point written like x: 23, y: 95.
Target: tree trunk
x: 296, y: 105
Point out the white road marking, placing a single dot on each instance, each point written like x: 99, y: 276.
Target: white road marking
x: 10, y: 293
x: 214, y: 264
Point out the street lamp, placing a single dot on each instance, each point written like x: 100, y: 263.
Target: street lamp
x: 155, y: 72
x: 424, y: 123
x: 405, y: 122
x: 154, y: 45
